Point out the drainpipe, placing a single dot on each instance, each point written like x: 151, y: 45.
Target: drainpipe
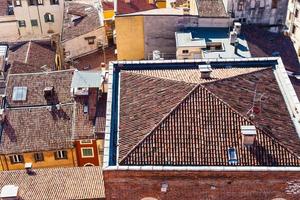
x: 38, y: 11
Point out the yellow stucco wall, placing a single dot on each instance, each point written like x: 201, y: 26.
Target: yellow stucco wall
x: 49, y: 161
x: 161, y: 4
x: 130, y: 37
x: 108, y: 14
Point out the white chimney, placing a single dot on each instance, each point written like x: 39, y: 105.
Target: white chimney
x: 28, y: 168
x: 248, y: 135
x: 156, y: 55
x: 205, y: 71
x: 233, y: 37
x: 9, y: 192
x: 237, y: 27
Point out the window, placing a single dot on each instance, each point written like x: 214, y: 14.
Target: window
x: 38, y: 157
x: 185, y: 51
x: 40, y: 2
x: 19, y: 93
x: 232, y: 157
x: 85, y: 108
x: 241, y: 5
x: 91, y: 39
x: 296, y: 13
x: 60, y: 155
x: 86, y: 141
x: 31, y: 2
x: 49, y: 17
x: 87, y: 152
x: 274, y: 4
x: 16, y: 159
x: 22, y: 23
x: 293, y: 29
x: 17, y: 3
x: 54, y: 2
x: 34, y: 22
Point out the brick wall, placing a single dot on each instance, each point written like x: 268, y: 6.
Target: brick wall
x: 133, y: 185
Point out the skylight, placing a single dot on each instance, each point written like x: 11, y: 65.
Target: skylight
x: 19, y: 94
x: 232, y: 157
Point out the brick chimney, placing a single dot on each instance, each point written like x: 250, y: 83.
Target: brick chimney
x: 248, y: 135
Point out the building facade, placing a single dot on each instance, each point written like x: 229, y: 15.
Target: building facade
x: 293, y: 23
x: 38, y: 18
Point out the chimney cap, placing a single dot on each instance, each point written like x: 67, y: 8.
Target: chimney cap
x: 28, y: 165
x: 205, y: 68
x: 248, y: 130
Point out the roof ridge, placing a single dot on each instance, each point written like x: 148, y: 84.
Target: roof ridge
x: 217, y: 98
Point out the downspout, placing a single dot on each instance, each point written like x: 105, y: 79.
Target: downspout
x: 38, y: 11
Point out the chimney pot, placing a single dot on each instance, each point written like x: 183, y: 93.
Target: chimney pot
x: 248, y: 135
x: 205, y: 71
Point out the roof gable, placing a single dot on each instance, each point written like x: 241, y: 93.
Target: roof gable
x: 199, y: 131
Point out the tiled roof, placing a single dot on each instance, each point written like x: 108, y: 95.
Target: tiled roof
x: 211, y: 8
x: 17, y: 67
x: 3, y: 7
x: 144, y: 102
x: 134, y: 6
x: 193, y: 75
x: 35, y: 53
x: 274, y: 117
x: 88, y: 20
x: 57, y: 183
x: 199, y: 131
x: 101, y: 115
x: 263, y: 43
x: 36, y: 129
x: 36, y: 83
x: 197, y: 126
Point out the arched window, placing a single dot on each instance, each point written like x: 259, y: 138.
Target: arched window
x: 49, y: 17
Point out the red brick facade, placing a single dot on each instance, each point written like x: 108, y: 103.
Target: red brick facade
x: 136, y: 185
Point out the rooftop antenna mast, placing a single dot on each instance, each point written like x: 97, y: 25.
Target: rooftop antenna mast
x: 256, y: 104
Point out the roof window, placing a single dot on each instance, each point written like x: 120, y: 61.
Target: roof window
x: 19, y: 94
x: 232, y: 157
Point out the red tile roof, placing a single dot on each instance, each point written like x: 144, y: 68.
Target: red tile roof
x: 167, y: 122
x: 88, y: 21
x: 36, y: 83
x: 134, y: 6
x: 144, y: 103
x: 57, y: 183
x: 211, y: 8
x: 37, y: 129
x: 34, y: 53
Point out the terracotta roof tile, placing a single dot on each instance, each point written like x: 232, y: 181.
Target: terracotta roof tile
x: 17, y: 67
x: 101, y: 115
x: 211, y: 8
x: 273, y: 117
x: 36, y: 129
x: 199, y: 131
x: 88, y: 21
x: 36, y: 83
x: 144, y: 102
x: 35, y: 53
x: 202, y: 123
x: 3, y: 7
x: 134, y: 6
x: 57, y: 183
x: 194, y: 76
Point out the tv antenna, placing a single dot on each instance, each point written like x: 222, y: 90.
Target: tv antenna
x: 256, y: 104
